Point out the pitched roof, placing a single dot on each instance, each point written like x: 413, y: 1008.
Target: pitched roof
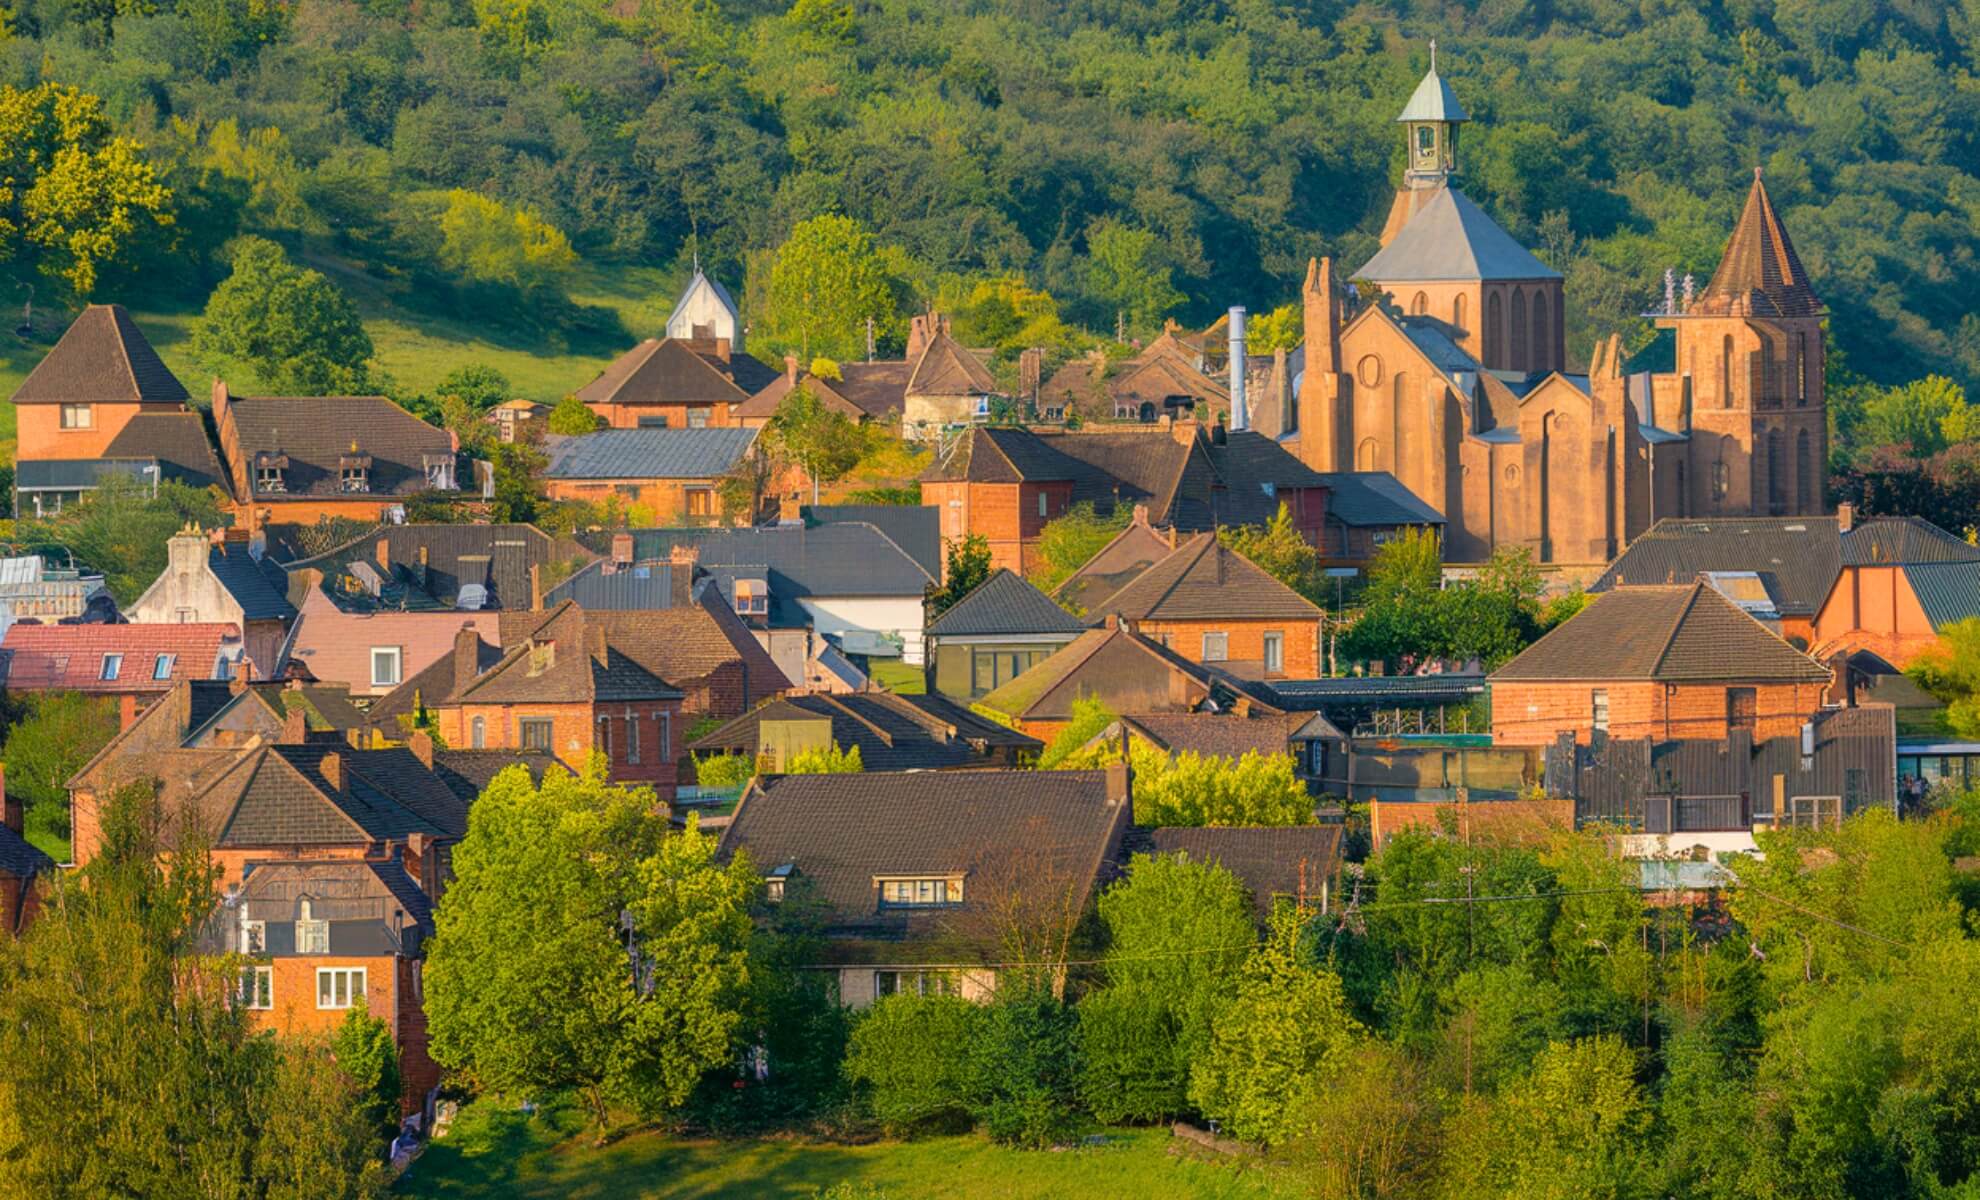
x: 467, y: 773
x: 702, y: 283
x: 101, y: 358
x: 640, y: 587
x: 72, y: 657
x: 1222, y: 735
x: 569, y: 658
x: 177, y: 441
x: 682, y: 645
x: 893, y: 733
x: 1119, y: 562
x: 1001, y: 605
x: 1760, y: 273
x: 1374, y: 498
x: 1271, y: 862
x: 283, y: 795
x: 1433, y: 100
x: 1451, y: 238
x: 1947, y: 592
x: 843, y: 558
x: 649, y: 454
x: 20, y: 857
x: 1886, y: 540
x: 1205, y: 580
x: 996, y: 829
x: 1127, y: 671
x: 675, y: 371
x: 316, y: 432
x: 767, y: 399
x: 257, y: 584
x: 1681, y: 634
x: 945, y: 368
x: 915, y: 528
x: 498, y: 558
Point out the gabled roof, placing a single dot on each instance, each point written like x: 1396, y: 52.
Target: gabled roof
x: 1127, y: 671
x: 641, y: 587
x: 998, y: 830
x: 1002, y: 605
x: 702, y: 283
x: 767, y: 399
x: 683, y: 645
x: 1204, y: 580
x: 1684, y: 634
x: 673, y: 371
x: 1273, y: 863
x: 569, y: 658
x: 316, y: 432
x: 101, y: 358
x: 1119, y: 562
x: 177, y: 441
x: 1882, y: 541
x: 649, y: 454
x: 21, y: 858
x: 284, y: 795
x: 1374, y: 498
x: 71, y: 657
x: 1947, y: 592
x: 467, y: 773
x: 842, y: 558
x: 945, y: 368
x: 1220, y: 735
x: 1760, y: 273
x: 1451, y: 238
x: 893, y: 733
x: 1433, y: 100
x: 257, y: 584
x: 498, y: 558
x: 915, y: 528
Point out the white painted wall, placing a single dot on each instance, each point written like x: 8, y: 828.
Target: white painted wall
x: 701, y: 306
x: 895, y: 616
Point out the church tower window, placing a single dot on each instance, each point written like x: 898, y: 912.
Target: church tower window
x: 1776, y: 483
x: 1801, y: 369
x: 1517, y: 358
x: 1804, y: 475
x: 1457, y: 314
x: 1726, y: 373
x: 1420, y: 305
x: 1539, y: 360
x: 1494, y: 329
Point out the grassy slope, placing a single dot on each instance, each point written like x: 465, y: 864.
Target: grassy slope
x: 497, y: 1152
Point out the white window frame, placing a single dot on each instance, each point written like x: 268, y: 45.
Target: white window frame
x: 398, y: 660
x: 1041, y: 504
x: 353, y: 479
x: 1275, y: 652
x: 524, y: 724
x: 919, y: 981
x: 632, y: 736
x: 257, y: 987
x: 440, y: 476
x: 1598, y: 705
x: 478, y: 733
x: 78, y: 416
x: 1221, y: 640
x: 354, y: 987
x: 312, y: 936
x: 921, y: 891
x: 161, y: 666
x: 112, y: 666
x: 269, y: 479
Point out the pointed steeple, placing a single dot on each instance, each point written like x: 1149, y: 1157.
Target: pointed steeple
x: 1760, y: 274
x: 1431, y: 119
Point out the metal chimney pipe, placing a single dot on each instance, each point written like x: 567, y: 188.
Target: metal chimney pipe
x: 1239, y: 418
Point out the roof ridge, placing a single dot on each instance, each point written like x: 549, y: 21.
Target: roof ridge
x: 124, y: 350
x: 1201, y: 543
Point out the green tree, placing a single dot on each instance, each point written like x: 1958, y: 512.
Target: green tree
x: 907, y: 1061
x: 825, y: 760
x: 1126, y: 272
x: 827, y: 280
x: 74, y: 198
x: 518, y: 465
x: 1925, y: 416
x: 825, y: 443
x: 1284, y: 328
x: 1275, y: 1046
x: 121, y: 529
x: 486, y: 241
x: 1023, y: 1064
x: 291, y: 330
x: 528, y: 985
x: 1207, y: 789
x: 1580, y: 1123
x: 1089, y: 715
x: 724, y: 770
x: 969, y: 566
x: 1950, y: 670
x: 1281, y: 551
x: 51, y: 738
x: 1177, y: 933
x: 1069, y: 540
x: 480, y: 385
x: 365, y: 1052
x: 572, y: 417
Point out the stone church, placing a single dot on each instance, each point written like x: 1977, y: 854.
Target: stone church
x: 1456, y: 381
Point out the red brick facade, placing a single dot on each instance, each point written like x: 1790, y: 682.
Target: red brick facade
x: 640, y: 739
x: 1244, y: 643
x: 1534, y: 714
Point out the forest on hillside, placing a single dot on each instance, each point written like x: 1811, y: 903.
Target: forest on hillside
x: 1101, y: 160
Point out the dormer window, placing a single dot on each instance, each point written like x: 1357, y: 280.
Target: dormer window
x: 920, y: 891
x: 354, y: 471
x: 270, y: 472
x: 439, y: 471
x: 312, y: 935
x: 752, y: 597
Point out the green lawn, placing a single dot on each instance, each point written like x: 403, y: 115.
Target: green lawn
x: 493, y: 1151
x: 54, y: 847
x: 897, y: 677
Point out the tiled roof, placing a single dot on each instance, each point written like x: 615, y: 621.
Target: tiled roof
x: 1271, y: 862
x: 892, y: 733
x: 873, y: 390
x: 1004, y: 604
x: 640, y: 587
x: 570, y: 657
x: 649, y: 454
x: 21, y: 858
x: 1433, y: 100
x: 1681, y: 634
x: 675, y: 371
x: 1908, y: 540
x: 497, y: 557
x: 1223, y: 735
x: 285, y: 797
x: 178, y: 441
x: 1374, y: 498
x: 1204, y: 580
x: 999, y: 830
x: 1947, y: 592
x: 316, y: 432
x: 1127, y: 671
x: 915, y: 528
x: 467, y: 773
x: 849, y: 558
x: 102, y: 358
x: 945, y: 368
x: 71, y: 657
x: 1760, y: 274
x: 258, y: 585
x: 684, y: 645
x: 1119, y: 562
x: 1451, y: 238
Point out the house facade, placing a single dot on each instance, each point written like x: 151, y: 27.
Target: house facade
x: 675, y: 383
x: 667, y: 476
x: 1213, y: 606
x: 996, y: 633
x: 229, y: 583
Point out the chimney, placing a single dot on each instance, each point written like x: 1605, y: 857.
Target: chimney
x: 722, y: 348
x: 219, y: 398
x: 237, y: 683
x: 1113, y: 621
x: 791, y: 368
x: 15, y: 811
x: 384, y: 555
x: 422, y: 568
x: 356, y: 737
x: 467, y: 655
x: 421, y: 745
x: 535, y: 588
x: 1184, y: 430
x: 594, y: 636
x: 684, y: 554
x: 1120, y: 783
x: 333, y: 771
x: 921, y: 331
x: 1141, y: 514
x: 186, y: 550
x: 1845, y: 517
x: 1031, y: 372
x: 127, y: 711
x: 1239, y: 419
x: 295, y: 725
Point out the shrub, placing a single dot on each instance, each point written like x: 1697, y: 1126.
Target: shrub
x: 1023, y: 1069
x: 906, y: 1060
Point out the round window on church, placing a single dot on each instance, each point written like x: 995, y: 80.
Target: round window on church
x: 1512, y: 474
x: 1369, y: 370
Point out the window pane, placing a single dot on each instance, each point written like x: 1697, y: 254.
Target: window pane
x: 323, y: 986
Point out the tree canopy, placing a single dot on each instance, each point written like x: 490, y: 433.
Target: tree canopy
x: 288, y: 329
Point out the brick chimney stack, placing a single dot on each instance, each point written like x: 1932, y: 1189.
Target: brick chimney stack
x: 684, y: 554
x: 467, y: 657
x: 1845, y: 517
x: 333, y: 771
x: 421, y: 745
x: 384, y: 556
x: 791, y: 368
x: 535, y: 588
x: 295, y: 726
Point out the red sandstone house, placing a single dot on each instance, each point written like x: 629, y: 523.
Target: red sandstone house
x: 1656, y: 662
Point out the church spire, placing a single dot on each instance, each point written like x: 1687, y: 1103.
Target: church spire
x: 1760, y: 274
x: 1431, y: 119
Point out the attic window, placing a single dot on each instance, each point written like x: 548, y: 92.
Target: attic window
x: 752, y: 597
x: 354, y: 473
x: 161, y: 667
x: 312, y: 936
x: 112, y: 664
x: 268, y: 472
x: 439, y: 471
x: 921, y: 892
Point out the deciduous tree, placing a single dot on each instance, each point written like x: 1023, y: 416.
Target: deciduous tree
x: 969, y: 566
x: 290, y: 330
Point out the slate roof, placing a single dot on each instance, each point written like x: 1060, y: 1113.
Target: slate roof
x: 76, y: 474
x: 498, y: 557
x: 1271, y: 862
x: 1204, y: 580
x: 1374, y: 498
x: 682, y: 646
x: 101, y: 358
x: 1797, y: 558
x: 20, y: 857
x: 867, y: 390
x: 844, y: 558
x: 1118, y: 563
x: 642, y: 587
x: 1002, y: 605
x: 1674, y: 634
x: 70, y: 657
x: 1222, y: 735
x: 1947, y: 592
x: 1433, y: 100
x: 1760, y: 273
x: 258, y: 585
x: 649, y: 454
x: 998, y: 829
x: 178, y: 442
x: 1451, y: 238
x: 676, y: 371
x: 1131, y: 673
x: 467, y: 773
x: 915, y: 528
x: 945, y: 368
x: 314, y: 432
x: 893, y: 733
x: 569, y: 658
x: 1310, y: 695
x: 281, y: 795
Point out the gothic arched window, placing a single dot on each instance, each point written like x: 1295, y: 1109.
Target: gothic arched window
x: 1420, y: 305
x: 1457, y: 314
x: 1538, y: 360
x: 1516, y: 359
x: 1726, y: 373
x: 1804, y: 474
x: 1495, y: 326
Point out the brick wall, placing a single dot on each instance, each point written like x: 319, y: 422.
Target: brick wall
x: 574, y: 735
x: 20, y: 900
x: 417, y: 1070
x: 1533, y: 714
x: 666, y: 501
x: 1246, y: 641
x: 42, y: 436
